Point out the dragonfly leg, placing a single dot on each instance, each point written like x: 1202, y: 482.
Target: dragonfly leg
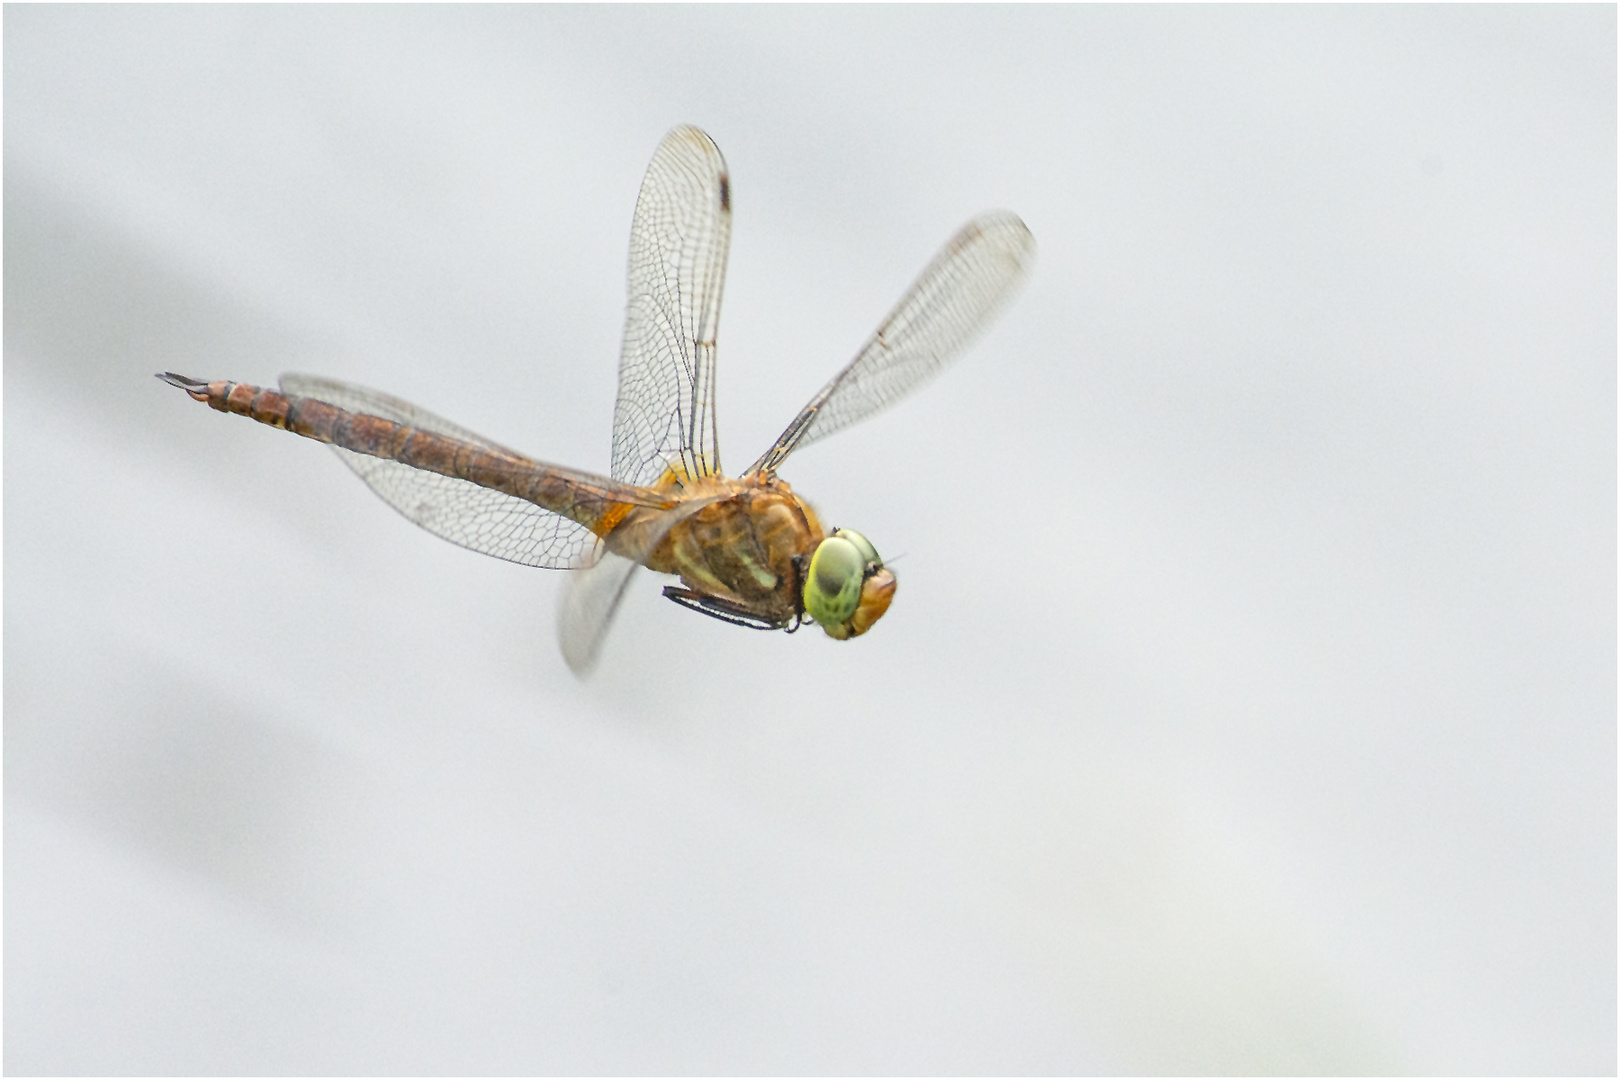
x: 800, y: 564
x: 724, y: 610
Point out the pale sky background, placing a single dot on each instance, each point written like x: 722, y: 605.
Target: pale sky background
x: 1248, y: 700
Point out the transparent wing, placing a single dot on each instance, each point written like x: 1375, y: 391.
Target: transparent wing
x: 950, y: 304
x: 479, y: 518
x: 588, y: 606
x: 594, y: 592
x: 679, y: 239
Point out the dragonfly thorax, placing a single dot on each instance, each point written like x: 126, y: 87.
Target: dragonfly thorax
x: 745, y: 550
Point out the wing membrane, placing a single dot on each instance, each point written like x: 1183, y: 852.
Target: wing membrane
x: 950, y: 304
x: 594, y: 592
x: 479, y: 518
x: 679, y: 240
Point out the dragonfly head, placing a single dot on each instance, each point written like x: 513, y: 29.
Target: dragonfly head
x: 847, y: 588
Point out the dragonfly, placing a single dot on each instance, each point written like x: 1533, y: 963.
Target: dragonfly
x: 747, y: 550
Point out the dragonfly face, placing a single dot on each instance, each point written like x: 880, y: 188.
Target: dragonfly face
x: 747, y: 550
x: 846, y: 587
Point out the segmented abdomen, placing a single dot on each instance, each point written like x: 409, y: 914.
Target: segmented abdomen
x: 576, y: 496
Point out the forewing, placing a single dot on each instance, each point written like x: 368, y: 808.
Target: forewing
x: 479, y: 518
x: 679, y: 238
x: 594, y: 591
x: 950, y: 304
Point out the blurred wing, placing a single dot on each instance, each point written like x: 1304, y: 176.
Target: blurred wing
x: 953, y: 301
x: 594, y: 592
x: 588, y: 606
x: 479, y: 518
x: 679, y: 238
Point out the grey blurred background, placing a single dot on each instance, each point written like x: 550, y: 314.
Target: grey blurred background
x: 1248, y: 702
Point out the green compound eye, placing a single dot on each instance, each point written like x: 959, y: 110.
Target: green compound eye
x: 832, y: 590
x: 869, y: 555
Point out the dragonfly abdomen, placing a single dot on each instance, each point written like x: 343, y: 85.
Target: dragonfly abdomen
x: 573, y: 495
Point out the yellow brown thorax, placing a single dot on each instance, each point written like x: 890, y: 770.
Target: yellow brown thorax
x: 741, y: 547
